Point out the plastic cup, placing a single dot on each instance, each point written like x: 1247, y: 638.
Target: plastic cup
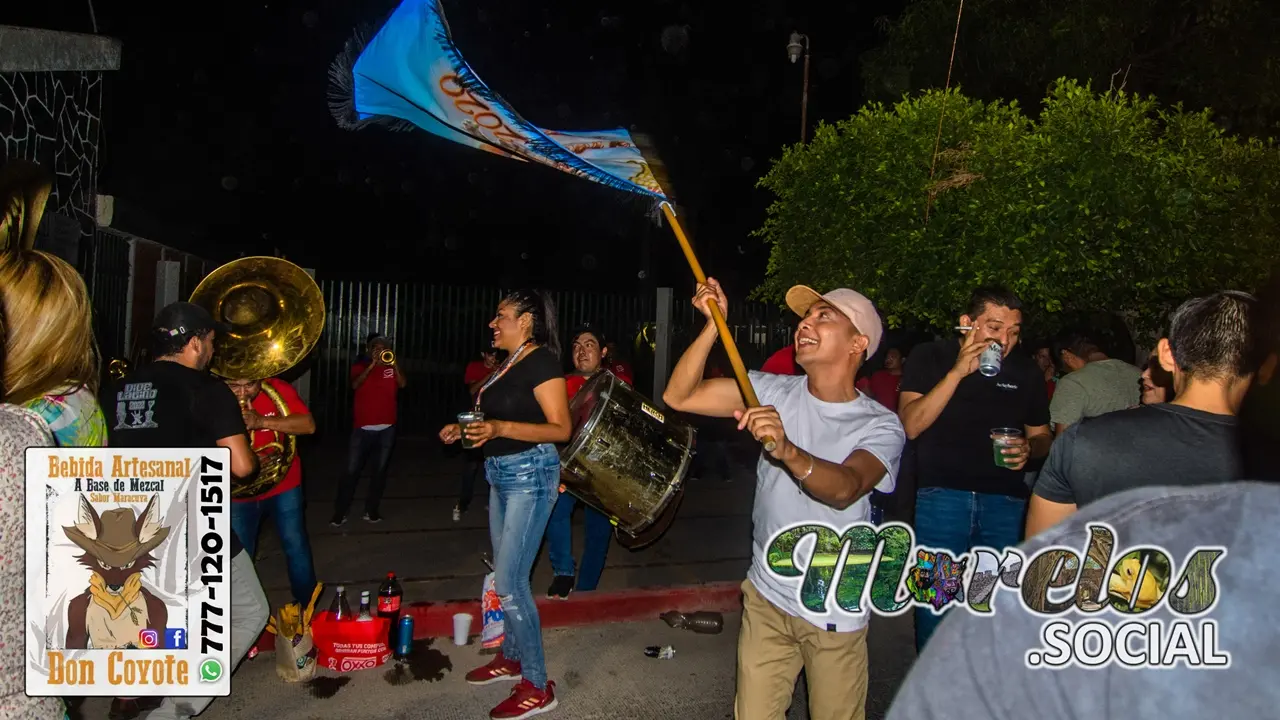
x: 1002, y: 438
x: 465, y: 419
x: 461, y: 628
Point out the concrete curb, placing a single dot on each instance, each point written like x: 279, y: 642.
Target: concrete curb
x: 432, y: 620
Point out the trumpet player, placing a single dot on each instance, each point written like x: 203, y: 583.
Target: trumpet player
x: 272, y: 409
x: 376, y: 379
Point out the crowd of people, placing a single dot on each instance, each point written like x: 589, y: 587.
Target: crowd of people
x: 1090, y: 436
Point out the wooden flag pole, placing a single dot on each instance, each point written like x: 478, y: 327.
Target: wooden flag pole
x: 730, y: 347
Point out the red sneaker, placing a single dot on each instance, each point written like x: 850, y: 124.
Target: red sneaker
x: 498, y: 669
x: 526, y: 701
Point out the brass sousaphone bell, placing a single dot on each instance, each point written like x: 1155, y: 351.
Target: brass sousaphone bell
x: 274, y: 314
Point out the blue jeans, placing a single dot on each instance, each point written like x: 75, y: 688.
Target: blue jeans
x: 363, y: 444
x: 560, y: 542
x: 522, y: 487
x: 959, y: 521
x: 289, y: 511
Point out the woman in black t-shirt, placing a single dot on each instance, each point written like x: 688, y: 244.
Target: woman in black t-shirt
x: 526, y: 411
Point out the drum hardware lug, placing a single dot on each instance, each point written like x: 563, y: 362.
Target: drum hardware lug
x: 602, y: 441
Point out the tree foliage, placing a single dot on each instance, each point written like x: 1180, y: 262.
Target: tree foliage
x: 1104, y: 202
x: 1204, y: 53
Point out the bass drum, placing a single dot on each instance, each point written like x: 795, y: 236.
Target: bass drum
x: 626, y: 459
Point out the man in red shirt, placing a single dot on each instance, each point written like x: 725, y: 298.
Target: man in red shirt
x: 476, y: 372
x: 376, y: 384
x: 882, y: 385
x: 590, y: 355
x: 614, y: 363
x: 267, y: 422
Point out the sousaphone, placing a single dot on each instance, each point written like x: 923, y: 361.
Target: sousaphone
x: 274, y: 314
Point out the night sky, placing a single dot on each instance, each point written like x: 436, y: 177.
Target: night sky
x: 218, y: 137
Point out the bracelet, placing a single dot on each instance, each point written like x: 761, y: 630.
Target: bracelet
x: 800, y: 480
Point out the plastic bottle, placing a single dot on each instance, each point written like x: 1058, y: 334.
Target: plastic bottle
x: 389, y: 597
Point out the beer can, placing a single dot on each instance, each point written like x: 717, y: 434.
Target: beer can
x: 404, y: 638
x: 990, y: 360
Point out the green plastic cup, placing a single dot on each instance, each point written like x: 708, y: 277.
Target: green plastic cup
x: 1002, y: 438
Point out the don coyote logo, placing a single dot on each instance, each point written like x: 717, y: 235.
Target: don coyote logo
x: 117, y: 548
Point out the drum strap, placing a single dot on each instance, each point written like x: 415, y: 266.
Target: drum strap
x: 506, y: 365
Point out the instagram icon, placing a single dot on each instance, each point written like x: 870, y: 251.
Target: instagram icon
x: 148, y: 638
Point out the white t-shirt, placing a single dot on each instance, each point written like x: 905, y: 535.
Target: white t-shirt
x: 831, y: 432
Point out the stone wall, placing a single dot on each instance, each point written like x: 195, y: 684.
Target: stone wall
x: 55, y: 119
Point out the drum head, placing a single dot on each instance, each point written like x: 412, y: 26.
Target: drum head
x: 585, y: 409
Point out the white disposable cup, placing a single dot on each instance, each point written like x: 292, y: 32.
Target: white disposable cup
x: 461, y: 628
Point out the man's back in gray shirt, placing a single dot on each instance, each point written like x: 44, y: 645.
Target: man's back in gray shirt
x: 974, y: 666
x: 1098, y: 388
x: 1162, y: 444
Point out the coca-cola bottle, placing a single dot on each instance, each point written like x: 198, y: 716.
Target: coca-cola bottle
x: 340, y: 608
x: 389, y: 595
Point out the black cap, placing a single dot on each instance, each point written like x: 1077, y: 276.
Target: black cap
x: 184, y: 318
x: 376, y: 336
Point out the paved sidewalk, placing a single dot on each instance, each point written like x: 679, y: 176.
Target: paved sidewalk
x: 600, y: 670
x: 437, y: 559
x: 601, y: 673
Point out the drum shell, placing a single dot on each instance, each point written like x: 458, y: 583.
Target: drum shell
x: 626, y: 459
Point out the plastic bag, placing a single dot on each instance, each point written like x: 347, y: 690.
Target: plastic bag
x: 491, y: 612
x: 295, y: 648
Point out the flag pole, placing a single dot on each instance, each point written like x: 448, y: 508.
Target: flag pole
x: 730, y: 347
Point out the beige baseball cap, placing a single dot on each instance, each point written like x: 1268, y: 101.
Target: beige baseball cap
x: 853, y: 304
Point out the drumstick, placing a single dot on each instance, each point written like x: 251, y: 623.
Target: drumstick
x: 730, y: 348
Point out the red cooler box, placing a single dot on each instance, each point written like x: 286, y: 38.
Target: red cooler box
x: 349, y: 646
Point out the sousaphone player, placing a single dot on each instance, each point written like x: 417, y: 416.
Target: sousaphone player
x: 274, y: 313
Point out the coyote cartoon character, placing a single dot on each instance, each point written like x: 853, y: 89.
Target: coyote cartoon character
x: 116, y: 607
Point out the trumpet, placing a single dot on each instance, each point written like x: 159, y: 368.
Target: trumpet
x: 387, y: 357
x: 118, y: 368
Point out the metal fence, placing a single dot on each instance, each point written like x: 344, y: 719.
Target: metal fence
x: 435, y: 330
x: 758, y: 328
x: 104, y: 265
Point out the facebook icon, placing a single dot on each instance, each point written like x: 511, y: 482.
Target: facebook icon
x: 175, y: 639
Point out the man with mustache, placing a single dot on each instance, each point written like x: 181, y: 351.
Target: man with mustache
x: 966, y: 499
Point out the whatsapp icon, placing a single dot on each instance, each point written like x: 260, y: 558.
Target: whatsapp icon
x: 210, y: 671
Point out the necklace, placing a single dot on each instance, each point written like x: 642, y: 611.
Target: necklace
x: 506, y: 365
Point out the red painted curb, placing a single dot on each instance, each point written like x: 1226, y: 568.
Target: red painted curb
x: 431, y: 620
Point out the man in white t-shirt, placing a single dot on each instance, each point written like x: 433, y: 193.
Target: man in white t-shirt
x: 833, y: 447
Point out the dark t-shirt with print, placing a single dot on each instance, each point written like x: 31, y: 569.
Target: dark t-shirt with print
x: 511, y: 398
x: 1162, y: 444
x: 956, y: 452
x: 167, y: 405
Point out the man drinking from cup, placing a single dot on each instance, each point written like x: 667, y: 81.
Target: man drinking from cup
x: 966, y: 403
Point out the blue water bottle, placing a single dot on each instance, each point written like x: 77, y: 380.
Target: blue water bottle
x: 404, y: 638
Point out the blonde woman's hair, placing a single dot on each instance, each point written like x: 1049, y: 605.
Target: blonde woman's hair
x: 49, y: 345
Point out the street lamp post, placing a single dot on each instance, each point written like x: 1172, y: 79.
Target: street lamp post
x: 798, y: 46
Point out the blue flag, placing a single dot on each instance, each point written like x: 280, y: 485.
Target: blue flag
x: 410, y: 74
